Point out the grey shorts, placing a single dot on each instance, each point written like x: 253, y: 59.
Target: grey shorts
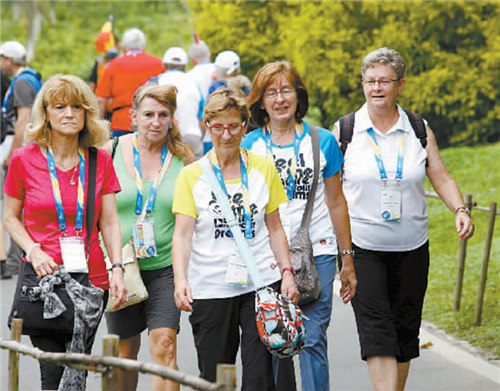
x: 158, y: 311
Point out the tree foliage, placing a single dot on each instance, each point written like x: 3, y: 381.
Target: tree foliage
x: 451, y: 49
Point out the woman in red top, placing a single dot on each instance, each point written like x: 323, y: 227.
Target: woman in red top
x: 45, y: 198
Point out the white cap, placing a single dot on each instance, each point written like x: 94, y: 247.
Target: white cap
x: 14, y: 50
x: 175, y: 56
x: 228, y: 60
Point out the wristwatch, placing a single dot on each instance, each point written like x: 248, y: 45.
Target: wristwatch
x: 118, y: 265
x: 290, y: 269
x: 462, y: 209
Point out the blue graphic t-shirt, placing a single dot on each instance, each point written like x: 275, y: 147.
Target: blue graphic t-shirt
x: 321, y: 229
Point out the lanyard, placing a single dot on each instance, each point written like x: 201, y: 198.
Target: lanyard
x: 292, y: 172
x: 138, y: 179
x: 378, y: 156
x: 57, y: 192
x: 244, y: 190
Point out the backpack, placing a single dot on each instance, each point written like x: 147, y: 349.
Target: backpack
x: 31, y: 77
x: 346, y: 126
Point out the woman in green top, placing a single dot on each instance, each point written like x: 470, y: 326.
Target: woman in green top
x: 138, y: 159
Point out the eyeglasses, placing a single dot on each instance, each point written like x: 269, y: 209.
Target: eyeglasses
x: 233, y: 129
x: 286, y: 92
x: 381, y: 83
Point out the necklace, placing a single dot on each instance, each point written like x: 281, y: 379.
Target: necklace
x: 72, y: 179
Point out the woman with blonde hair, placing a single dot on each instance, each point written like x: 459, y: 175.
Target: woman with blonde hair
x: 45, y: 208
x: 138, y: 159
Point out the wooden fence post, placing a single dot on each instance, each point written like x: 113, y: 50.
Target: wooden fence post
x: 462, y: 251
x: 226, y: 375
x: 484, y: 263
x: 110, y: 379
x: 16, y: 328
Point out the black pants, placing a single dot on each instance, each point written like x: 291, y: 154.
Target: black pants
x: 51, y: 373
x: 389, y: 300
x: 216, y: 327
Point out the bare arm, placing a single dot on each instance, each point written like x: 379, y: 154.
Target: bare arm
x: 279, y: 246
x: 337, y: 207
x: 446, y: 187
x: 181, y: 250
x: 111, y: 234
x: 101, y: 102
x: 43, y: 263
x: 23, y: 119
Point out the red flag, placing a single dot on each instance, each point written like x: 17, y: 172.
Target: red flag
x: 105, y: 40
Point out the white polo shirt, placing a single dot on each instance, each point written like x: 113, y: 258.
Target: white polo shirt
x: 362, y: 186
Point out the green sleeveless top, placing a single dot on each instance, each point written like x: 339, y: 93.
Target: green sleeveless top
x: 162, y: 214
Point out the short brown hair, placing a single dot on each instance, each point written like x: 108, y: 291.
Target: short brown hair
x: 264, y: 78
x: 167, y: 96
x: 74, y: 91
x: 225, y: 99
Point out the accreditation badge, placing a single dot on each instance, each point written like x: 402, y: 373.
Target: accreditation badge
x: 144, y: 239
x: 390, y: 204
x: 73, y: 254
x: 236, y: 272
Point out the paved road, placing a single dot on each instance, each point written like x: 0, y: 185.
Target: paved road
x: 441, y: 367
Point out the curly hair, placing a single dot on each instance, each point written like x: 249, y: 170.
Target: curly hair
x: 167, y: 96
x: 73, y: 91
x: 264, y: 78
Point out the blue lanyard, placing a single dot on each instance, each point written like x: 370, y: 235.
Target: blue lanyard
x: 57, y: 191
x: 138, y: 179
x: 245, y: 191
x: 378, y: 156
x: 292, y: 172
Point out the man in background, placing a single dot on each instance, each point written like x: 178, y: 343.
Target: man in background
x: 123, y: 76
x: 16, y: 111
x: 202, y: 73
x: 190, y: 102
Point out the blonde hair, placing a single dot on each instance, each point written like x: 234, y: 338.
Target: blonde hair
x: 73, y: 91
x: 167, y: 96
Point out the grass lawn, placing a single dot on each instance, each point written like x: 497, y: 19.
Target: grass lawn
x: 477, y: 171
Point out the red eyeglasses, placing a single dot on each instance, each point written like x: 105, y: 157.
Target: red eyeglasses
x: 233, y: 129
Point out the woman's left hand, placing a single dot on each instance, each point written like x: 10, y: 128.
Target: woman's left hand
x: 465, y: 226
x: 289, y: 288
x: 118, y: 290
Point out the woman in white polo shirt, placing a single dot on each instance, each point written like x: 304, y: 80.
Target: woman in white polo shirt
x: 384, y: 169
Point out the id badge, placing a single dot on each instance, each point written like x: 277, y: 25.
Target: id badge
x: 236, y: 272
x: 144, y: 239
x: 390, y: 204
x: 73, y: 254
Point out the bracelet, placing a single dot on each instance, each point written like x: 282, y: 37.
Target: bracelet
x: 32, y: 247
x: 462, y: 209
x: 346, y: 252
x: 118, y: 265
x: 289, y: 269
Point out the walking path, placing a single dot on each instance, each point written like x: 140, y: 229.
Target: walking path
x: 446, y: 365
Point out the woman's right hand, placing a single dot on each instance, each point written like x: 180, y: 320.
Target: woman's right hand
x: 183, y: 296
x: 43, y: 263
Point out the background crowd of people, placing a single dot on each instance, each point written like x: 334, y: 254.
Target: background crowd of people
x: 163, y: 119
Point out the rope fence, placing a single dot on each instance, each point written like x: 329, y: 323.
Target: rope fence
x: 108, y: 364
